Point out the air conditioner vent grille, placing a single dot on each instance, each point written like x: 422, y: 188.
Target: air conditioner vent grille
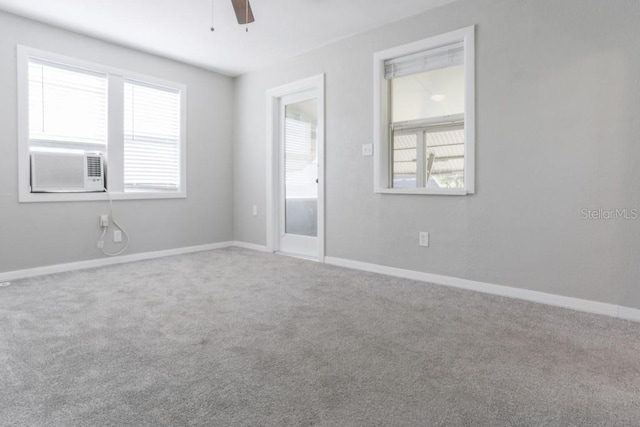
x: 94, y: 166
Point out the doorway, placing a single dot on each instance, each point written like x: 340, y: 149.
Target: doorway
x: 295, y: 169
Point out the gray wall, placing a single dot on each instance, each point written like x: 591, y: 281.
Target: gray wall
x: 557, y: 132
x: 39, y: 234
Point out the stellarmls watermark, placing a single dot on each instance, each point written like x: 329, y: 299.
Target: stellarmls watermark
x: 620, y: 213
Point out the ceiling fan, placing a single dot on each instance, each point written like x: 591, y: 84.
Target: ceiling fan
x: 244, y: 13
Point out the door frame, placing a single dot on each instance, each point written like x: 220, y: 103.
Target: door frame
x: 274, y: 97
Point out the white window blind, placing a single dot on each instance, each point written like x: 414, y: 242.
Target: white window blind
x: 432, y: 59
x: 301, y: 160
x: 67, y: 107
x: 151, y: 137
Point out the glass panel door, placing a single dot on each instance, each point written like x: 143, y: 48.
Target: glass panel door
x: 301, y: 168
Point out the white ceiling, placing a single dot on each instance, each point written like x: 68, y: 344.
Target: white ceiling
x: 179, y: 29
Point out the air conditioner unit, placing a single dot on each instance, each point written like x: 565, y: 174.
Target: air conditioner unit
x: 66, y: 172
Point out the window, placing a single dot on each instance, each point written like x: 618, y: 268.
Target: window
x: 151, y: 138
x: 67, y: 108
x: 135, y: 123
x: 424, y: 116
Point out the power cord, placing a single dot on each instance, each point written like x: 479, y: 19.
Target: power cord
x: 104, y: 231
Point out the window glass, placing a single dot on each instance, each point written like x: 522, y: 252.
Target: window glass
x: 301, y: 168
x: 404, y: 160
x: 151, y: 137
x: 67, y: 108
x: 429, y: 94
x: 444, y: 158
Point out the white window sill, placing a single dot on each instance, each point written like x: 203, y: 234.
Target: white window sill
x: 425, y: 191
x: 85, y: 197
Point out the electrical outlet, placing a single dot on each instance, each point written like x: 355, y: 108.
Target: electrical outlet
x: 104, y: 220
x: 424, y: 238
x: 255, y: 210
x: 100, y: 244
x: 117, y: 236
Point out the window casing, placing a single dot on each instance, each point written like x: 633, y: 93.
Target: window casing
x: 136, y: 122
x: 424, y: 118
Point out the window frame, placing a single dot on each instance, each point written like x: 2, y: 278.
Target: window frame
x: 114, y: 157
x: 383, y: 144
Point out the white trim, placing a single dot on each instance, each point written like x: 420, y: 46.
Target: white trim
x: 424, y: 190
x: 252, y: 246
x: 83, y: 197
x: 273, y: 97
x: 381, y: 162
x: 470, y: 109
x: 628, y: 313
x: 290, y: 255
x: 577, y: 304
x: 24, y: 168
x: 101, y: 262
x: 612, y: 310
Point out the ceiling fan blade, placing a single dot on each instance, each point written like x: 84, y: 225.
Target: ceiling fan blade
x: 240, y: 6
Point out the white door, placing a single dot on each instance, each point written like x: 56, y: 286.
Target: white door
x: 298, y: 213
x: 298, y: 152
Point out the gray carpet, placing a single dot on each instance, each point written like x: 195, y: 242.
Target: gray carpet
x: 239, y: 338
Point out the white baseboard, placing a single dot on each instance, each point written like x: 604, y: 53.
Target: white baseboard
x: 629, y: 313
x: 252, y: 246
x: 588, y: 306
x: 101, y: 262
x: 612, y: 310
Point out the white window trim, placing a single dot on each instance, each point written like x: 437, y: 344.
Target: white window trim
x: 115, y: 140
x: 381, y: 137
